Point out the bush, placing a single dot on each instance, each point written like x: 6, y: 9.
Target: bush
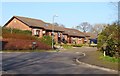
x: 101, y: 40
x: 109, y: 38
x: 64, y: 41
x: 47, y: 40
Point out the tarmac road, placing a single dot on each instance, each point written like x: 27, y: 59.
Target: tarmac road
x: 46, y: 63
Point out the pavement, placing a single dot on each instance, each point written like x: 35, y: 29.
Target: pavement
x: 62, y: 62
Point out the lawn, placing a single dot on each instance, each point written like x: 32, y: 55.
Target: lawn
x: 110, y: 59
x: 97, y: 58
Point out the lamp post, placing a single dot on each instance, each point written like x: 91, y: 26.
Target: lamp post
x: 53, y: 31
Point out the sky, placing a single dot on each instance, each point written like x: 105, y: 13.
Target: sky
x: 69, y: 13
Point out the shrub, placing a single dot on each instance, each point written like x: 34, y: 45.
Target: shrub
x: 109, y: 36
x: 47, y: 40
x: 64, y: 41
x: 101, y: 40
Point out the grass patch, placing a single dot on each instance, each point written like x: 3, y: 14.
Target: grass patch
x: 110, y: 59
x: 67, y: 46
x: 77, y: 45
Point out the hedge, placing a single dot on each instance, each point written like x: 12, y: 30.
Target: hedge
x: 22, y: 40
x: 18, y: 44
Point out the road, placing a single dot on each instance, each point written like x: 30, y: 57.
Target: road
x: 47, y: 63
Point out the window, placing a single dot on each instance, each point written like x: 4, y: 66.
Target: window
x: 36, y: 32
x: 58, y: 34
x: 52, y: 33
x: 44, y: 32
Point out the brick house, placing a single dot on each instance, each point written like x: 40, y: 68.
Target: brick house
x: 74, y: 36
x: 40, y: 28
x: 90, y: 37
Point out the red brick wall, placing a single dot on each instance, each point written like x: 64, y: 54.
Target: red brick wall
x: 69, y: 39
x: 41, y: 33
x: 66, y: 38
x: 77, y: 41
x: 56, y: 37
x: 81, y: 41
x: 33, y: 31
x: 50, y: 33
x: 87, y: 38
x: 15, y: 23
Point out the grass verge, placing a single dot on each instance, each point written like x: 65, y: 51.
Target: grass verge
x: 110, y: 59
x: 67, y: 46
x: 97, y: 58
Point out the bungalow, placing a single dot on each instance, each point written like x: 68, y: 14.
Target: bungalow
x: 90, y: 38
x: 40, y: 28
x: 74, y: 36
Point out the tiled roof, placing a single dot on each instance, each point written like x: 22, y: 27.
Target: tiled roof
x: 92, y: 36
x: 38, y: 23
x: 31, y: 22
x: 73, y: 32
x: 86, y: 34
x: 53, y: 27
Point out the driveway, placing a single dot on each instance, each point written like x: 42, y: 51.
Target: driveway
x: 47, y: 63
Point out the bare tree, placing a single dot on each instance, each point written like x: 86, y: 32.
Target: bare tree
x: 56, y: 24
x: 61, y: 25
x: 85, y: 26
x: 97, y: 28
